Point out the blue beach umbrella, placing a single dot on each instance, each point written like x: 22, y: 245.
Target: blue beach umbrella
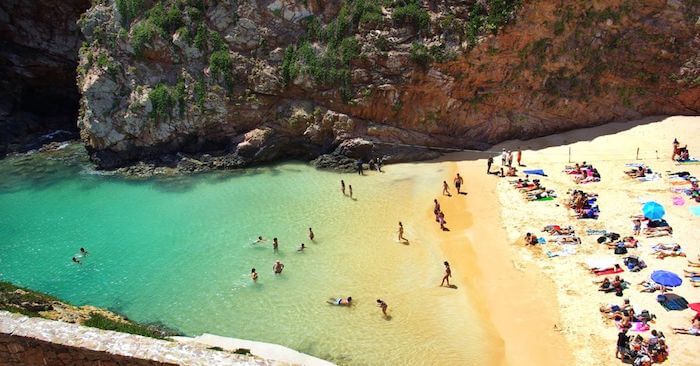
x: 666, y: 278
x: 653, y: 211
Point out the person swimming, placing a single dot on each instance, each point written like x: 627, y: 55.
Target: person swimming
x: 253, y: 275
x: 340, y: 301
x: 83, y: 252
x: 301, y: 247
x: 75, y: 260
x: 260, y: 240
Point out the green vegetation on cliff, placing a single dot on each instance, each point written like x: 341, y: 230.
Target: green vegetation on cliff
x: 102, y: 322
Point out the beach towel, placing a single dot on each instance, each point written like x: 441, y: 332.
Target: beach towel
x: 535, y: 172
x: 634, y: 165
x: 649, y: 178
x: 561, y: 253
x: 678, y: 201
x: 688, y: 162
x: 695, y: 210
x: 672, y: 302
x: 541, y: 241
x: 596, y: 232
x: 608, y: 271
x: 548, y: 198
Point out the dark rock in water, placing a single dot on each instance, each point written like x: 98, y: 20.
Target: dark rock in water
x: 107, y: 159
x: 334, y: 162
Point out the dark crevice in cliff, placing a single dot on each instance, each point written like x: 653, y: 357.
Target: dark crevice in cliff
x: 39, y: 98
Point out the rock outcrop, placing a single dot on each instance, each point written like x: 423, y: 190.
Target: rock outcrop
x: 39, y: 43
x: 228, y: 83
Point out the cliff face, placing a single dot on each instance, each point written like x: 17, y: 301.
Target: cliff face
x: 39, y: 43
x: 260, y: 80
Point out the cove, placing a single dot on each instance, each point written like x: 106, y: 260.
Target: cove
x: 178, y: 250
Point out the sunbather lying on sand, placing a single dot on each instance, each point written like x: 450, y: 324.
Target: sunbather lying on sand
x: 668, y: 250
x: 653, y: 232
x: 693, y: 330
x: 615, y: 267
x: 692, y: 263
x: 651, y: 286
x: 531, y: 196
x: 531, y: 239
x: 568, y: 239
x: 627, y: 242
x: 640, y: 172
x: 611, y: 308
x: 558, y: 230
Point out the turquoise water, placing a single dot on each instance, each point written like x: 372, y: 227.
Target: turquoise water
x: 178, y: 251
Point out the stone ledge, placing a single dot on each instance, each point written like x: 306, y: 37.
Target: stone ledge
x: 27, y: 341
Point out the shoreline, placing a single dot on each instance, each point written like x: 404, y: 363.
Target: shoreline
x: 485, y: 272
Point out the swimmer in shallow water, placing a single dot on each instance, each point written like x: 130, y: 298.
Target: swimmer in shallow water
x: 278, y: 267
x: 83, y: 252
x: 260, y: 240
x: 311, y: 235
x: 75, y: 260
x: 254, y: 275
x: 340, y: 301
x: 301, y: 248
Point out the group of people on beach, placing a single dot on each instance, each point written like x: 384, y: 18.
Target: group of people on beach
x: 507, y: 168
x: 374, y: 164
x: 633, y: 349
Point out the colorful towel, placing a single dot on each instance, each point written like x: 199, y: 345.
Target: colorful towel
x: 673, y: 302
x: 541, y: 241
x: 695, y: 210
x: 596, y: 232
x: 608, y: 271
x: 545, y: 199
x: 535, y: 172
x: 678, y: 201
x: 634, y: 165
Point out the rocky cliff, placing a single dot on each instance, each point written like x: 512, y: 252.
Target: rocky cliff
x: 39, y: 43
x: 248, y: 81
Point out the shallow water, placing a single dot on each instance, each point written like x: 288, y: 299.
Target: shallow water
x: 178, y: 251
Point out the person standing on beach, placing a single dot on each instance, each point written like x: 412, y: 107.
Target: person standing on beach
x: 504, y: 157
x: 488, y: 165
x: 311, y: 235
x: 445, y: 189
x: 448, y: 274
x: 401, y: 238
x: 381, y: 304
x: 360, y: 168
x: 519, y: 156
x: 278, y: 267
x: 254, y: 275
x: 350, y: 189
x: 510, y: 158
x: 342, y: 186
x: 458, y: 183
x: 676, y: 149
x: 275, y: 245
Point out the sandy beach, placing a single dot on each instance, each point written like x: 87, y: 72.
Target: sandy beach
x: 589, y: 337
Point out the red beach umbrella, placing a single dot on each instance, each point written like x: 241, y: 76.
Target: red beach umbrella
x: 695, y: 306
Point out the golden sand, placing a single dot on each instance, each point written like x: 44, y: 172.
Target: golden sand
x: 608, y: 148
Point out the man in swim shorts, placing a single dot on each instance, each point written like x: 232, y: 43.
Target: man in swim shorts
x: 277, y: 267
x: 275, y: 244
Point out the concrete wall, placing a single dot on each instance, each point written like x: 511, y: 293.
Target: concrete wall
x: 39, y: 342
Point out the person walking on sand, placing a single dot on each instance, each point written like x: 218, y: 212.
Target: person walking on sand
x: 401, y: 238
x: 311, y: 235
x: 277, y: 267
x: 254, y: 275
x: 448, y: 274
x: 504, y: 157
x: 342, y: 186
x: 445, y: 189
x: 350, y: 189
x: 458, y: 183
x: 275, y: 245
x: 436, y: 207
x: 519, y: 156
x: 441, y: 220
x: 488, y: 165
x: 381, y: 304
x: 510, y: 158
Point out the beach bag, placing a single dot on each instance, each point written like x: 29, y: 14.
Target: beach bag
x: 613, y: 236
x: 621, y: 250
x: 602, y: 239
